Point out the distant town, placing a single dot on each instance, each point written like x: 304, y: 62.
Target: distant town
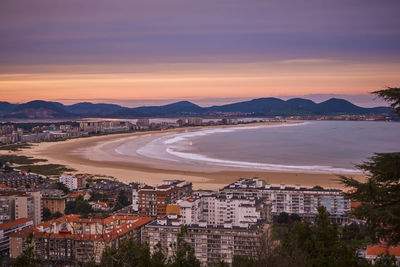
x: 31, y: 132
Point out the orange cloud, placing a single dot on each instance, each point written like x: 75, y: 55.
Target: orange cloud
x: 200, y: 80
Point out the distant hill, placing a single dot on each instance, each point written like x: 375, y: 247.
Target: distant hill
x: 270, y: 106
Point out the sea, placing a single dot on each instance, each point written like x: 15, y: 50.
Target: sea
x: 305, y: 146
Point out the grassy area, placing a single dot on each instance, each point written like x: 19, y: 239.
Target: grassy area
x: 279, y: 231
x: 15, y: 147
x: 46, y: 169
x: 15, y: 159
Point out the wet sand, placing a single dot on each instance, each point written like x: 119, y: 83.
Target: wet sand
x: 97, y: 156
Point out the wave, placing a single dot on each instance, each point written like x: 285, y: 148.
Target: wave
x: 173, y: 148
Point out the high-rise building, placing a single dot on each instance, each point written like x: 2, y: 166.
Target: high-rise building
x: 154, y: 200
x: 211, y: 243
x: 15, y: 205
x: 294, y: 200
x: 6, y: 229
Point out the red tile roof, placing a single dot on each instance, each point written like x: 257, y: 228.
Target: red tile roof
x: 14, y: 223
x: 383, y: 249
x: 76, y: 194
x: 355, y: 204
x: 137, y: 221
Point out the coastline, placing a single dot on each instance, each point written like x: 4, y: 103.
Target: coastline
x: 96, y: 155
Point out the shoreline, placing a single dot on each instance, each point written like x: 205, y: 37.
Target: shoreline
x: 95, y: 156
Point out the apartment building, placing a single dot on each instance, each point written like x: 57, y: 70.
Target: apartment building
x: 294, y: 200
x: 15, y: 205
x: 211, y: 243
x: 54, y: 200
x: 73, y: 182
x: 152, y: 201
x: 71, y: 240
x: 218, y: 209
x: 6, y: 229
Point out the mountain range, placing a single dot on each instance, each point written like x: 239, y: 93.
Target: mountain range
x: 39, y: 109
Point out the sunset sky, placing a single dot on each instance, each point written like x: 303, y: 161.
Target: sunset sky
x: 210, y: 51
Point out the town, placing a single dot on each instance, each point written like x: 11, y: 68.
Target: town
x: 24, y: 132
x: 74, y: 219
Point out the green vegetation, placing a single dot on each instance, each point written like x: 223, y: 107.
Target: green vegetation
x: 15, y: 159
x: 122, y: 201
x: 391, y: 95
x: 46, y: 169
x: 61, y: 186
x: 380, y: 194
x: 28, y: 164
x: 28, y: 257
x: 306, y: 244
x: 80, y: 206
x: 132, y: 254
x: 47, y: 215
x: 15, y: 147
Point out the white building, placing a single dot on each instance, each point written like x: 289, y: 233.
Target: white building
x: 294, y: 200
x: 73, y: 182
x: 219, y: 209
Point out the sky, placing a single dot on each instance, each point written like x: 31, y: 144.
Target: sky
x: 134, y: 52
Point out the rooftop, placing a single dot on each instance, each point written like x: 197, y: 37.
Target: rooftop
x: 14, y: 223
x: 383, y: 249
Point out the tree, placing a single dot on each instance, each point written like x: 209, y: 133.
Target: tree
x: 283, y: 217
x: 46, y: 214
x: 57, y: 215
x: 28, y: 257
x: 122, y: 201
x: 184, y: 253
x: 128, y: 254
x: 380, y: 194
x: 314, y: 245
x: 62, y: 187
x: 391, y: 95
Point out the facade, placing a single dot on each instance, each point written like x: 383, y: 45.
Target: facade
x: 16, y: 179
x: 54, y: 200
x: 73, y: 196
x: 15, y: 205
x: 154, y: 200
x: 72, y: 240
x: 6, y: 229
x: 294, y: 200
x: 73, y: 182
x: 219, y: 209
x: 211, y: 244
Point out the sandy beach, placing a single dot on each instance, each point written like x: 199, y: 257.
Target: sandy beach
x: 97, y: 156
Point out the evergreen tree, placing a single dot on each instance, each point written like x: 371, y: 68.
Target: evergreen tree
x: 380, y: 194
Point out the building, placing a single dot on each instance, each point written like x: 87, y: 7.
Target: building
x: 73, y: 196
x: 54, y: 200
x: 153, y: 201
x: 373, y: 252
x: 8, y: 228
x: 71, y: 240
x: 211, y: 243
x: 15, y: 205
x: 17, y: 179
x: 219, y: 209
x: 73, y: 182
x: 294, y: 200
